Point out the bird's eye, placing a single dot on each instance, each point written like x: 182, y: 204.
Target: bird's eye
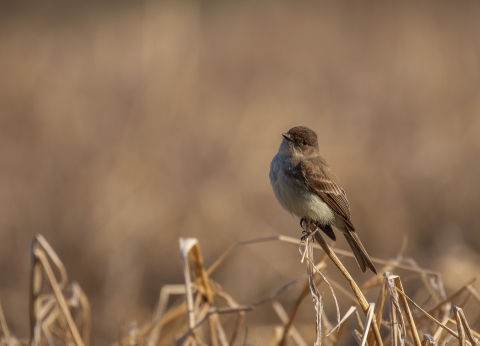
x: 304, y: 142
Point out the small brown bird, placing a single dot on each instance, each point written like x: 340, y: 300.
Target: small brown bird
x: 306, y: 186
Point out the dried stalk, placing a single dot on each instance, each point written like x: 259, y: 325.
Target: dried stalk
x: 356, y: 290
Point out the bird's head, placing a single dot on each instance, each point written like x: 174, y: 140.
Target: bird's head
x: 299, y: 141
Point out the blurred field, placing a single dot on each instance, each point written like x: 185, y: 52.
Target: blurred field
x: 124, y: 126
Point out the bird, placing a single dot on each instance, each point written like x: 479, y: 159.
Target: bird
x: 306, y: 186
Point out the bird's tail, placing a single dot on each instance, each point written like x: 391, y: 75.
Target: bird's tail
x: 359, y: 251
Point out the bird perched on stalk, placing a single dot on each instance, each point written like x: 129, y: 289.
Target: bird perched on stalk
x: 306, y: 186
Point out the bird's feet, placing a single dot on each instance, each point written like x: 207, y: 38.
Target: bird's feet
x: 306, y: 229
x: 305, y: 235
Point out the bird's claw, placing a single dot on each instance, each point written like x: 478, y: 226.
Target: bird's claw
x: 303, y: 223
x: 305, y: 235
x: 305, y: 229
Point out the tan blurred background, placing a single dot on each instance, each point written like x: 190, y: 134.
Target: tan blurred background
x: 126, y: 125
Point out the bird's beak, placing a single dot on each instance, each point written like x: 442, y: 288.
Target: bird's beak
x: 287, y: 136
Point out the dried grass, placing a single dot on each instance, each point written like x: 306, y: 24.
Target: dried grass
x: 60, y: 312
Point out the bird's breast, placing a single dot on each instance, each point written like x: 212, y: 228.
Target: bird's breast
x: 294, y: 195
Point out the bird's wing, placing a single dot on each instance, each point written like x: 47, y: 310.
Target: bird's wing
x: 322, y: 180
